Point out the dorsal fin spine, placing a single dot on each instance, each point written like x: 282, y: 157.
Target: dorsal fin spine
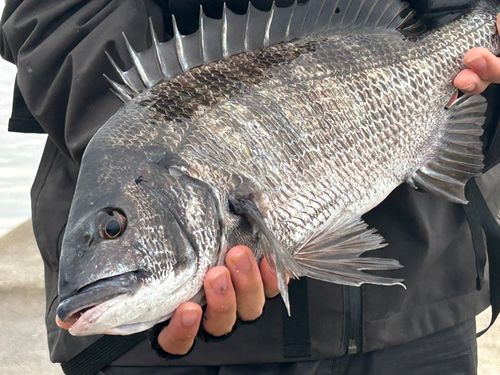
x: 137, y: 63
x: 121, y: 91
x: 118, y: 70
x: 224, y: 36
x: 315, y: 27
x: 202, y: 32
x: 304, y: 19
x: 178, y: 45
x: 388, y: 5
x: 368, y: 18
x: 359, y: 12
x: 156, y: 48
x: 268, y: 24
x: 333, y: 13
x: 408, y: 18
x: 395, y: 22
x: 345, y: 13
x: 393, y: 17
x: 313, y: 6
x: 326, y: 11
x: 247, y: 24
x: 287, y: 34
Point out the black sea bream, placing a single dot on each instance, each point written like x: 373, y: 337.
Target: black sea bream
x: 276, y: 130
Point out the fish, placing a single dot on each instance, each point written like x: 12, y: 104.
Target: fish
x: 273, y: 129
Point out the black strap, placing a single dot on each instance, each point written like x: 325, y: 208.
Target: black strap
x: 492, y: 232
x: 100, y: 354
x: 296, y: 335
x: 476, y: 228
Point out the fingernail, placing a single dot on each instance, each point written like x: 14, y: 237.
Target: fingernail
x: 189, y: 317
x: 477, y: 63
x: 219, y: 283
x: 242, y: 263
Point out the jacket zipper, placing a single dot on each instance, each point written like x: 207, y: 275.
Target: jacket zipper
x: 353, y: 314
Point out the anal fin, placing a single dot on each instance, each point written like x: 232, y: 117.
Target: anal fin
x: 459, y: 158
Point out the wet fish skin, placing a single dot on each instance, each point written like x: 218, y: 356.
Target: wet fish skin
x: 307, y: 130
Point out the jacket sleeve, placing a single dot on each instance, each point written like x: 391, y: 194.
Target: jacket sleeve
x: 58, y: 47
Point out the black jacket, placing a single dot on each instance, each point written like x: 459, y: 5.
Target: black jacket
x: 59, y: 51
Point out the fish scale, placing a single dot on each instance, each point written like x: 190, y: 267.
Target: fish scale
x: 355, y: 185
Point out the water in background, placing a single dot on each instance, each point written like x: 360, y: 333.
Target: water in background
x: 19, y: 158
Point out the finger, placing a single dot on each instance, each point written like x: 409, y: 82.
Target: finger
x: 269, y: 278
x: 178, y: 337
x: 484, y: 63
x: 220, y: 314
x: 469, y: 82
x: 247, y: 282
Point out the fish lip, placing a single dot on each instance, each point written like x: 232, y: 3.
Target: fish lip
x: 84, y: 325
x: 98, y: 292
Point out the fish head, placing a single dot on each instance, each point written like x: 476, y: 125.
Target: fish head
x: 140, y: 237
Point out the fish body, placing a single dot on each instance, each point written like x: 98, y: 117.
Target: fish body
x: 281, y: 149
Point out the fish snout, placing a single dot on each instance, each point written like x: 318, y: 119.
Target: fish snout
x: 74, y: 305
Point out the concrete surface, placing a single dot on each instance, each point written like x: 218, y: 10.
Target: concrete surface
x: 22, y: 305
x: 23, y: 341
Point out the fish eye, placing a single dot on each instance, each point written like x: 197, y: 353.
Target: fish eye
x: 111, y: 223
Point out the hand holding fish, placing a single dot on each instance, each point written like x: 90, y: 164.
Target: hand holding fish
x: 484, y: 68
x: 240, y: 288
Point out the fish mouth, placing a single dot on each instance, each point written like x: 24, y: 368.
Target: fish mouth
x: 98, y: 292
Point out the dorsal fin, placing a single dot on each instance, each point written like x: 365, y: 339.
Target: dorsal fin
x: 217, y: 39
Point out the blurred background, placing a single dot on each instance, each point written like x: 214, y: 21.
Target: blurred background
x: 19, y: 157
x: 23, y: 340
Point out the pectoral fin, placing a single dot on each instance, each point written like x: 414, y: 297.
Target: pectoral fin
x: 274, y: 251
x: 331, y: 254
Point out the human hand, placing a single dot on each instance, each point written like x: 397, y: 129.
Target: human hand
x: 484, y: 68
x: 240, y: 288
